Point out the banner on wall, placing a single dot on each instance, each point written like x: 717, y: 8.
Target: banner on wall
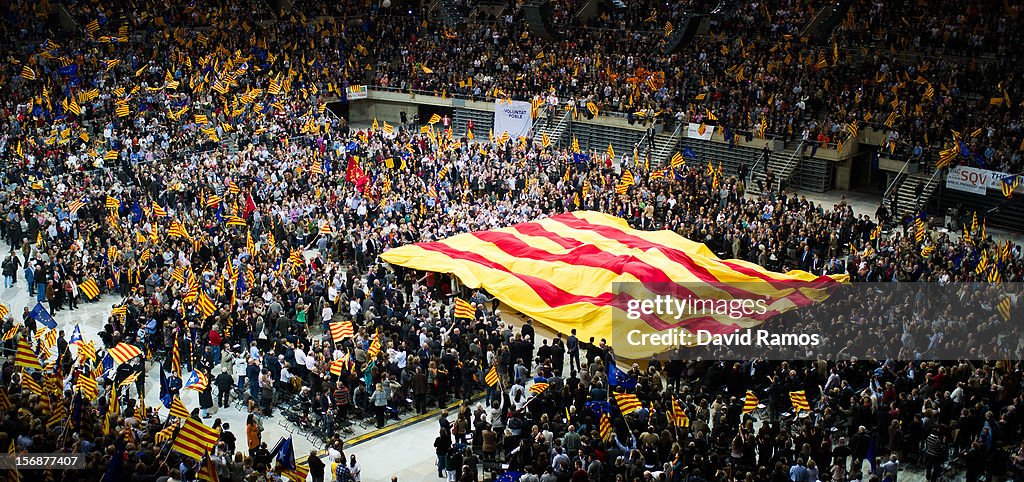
x: 357, y: 92
x: 693, y: 131
x: 512, y: 117
x: 975, y: 181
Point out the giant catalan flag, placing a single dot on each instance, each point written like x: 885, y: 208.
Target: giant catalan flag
x: 561, y: 271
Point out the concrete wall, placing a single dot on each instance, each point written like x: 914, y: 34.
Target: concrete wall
x: 843, y: 171
x: 387, y: 105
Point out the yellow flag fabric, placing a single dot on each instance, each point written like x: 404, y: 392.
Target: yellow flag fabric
x: 560, y: 271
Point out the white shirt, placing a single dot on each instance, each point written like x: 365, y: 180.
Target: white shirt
x: 327, y: 313
x: 400, y: 359
x: 310, y: 362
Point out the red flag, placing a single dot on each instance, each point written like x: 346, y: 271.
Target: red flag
x: 354, y: 172
x: 250, y: 206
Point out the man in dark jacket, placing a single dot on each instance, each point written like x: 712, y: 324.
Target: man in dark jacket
x: 419, y: 390
x: 252, y: 374
x: 316, y: 467
x: 224, y: 383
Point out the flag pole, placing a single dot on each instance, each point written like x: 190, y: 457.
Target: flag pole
x: 675, y: 426
x: 626, y: 420
x: 527, y: 404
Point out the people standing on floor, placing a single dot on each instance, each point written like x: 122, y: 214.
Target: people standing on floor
x: 224, y: 383
x: 316, y: 466
x: 253, y: 434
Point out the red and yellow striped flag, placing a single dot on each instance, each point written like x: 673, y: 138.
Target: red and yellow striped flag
x: 9, y: 334
x: 123, y: 352
x: 560, y: 271
x: 750, y: 402
x: 177, y: 230
x: 492, y: 376
x: 627, y: 402
x: 605, y: 427
x: 342, y: 329
x: 175, y: 359
x: 88, y: 386
x: 799, y: 401
x: 375, y: 347
x: 679, y: 417
x: 178, y: 409
x: 25, y: 357
x: 463, y: 309
x: 338, y: 366
x: 89, y: 288
x: 206, y: 304
x: 87, y: 350
x: 30, y: 384
x: 300, y: 473
x: 195, y: 439
x: 165, y: 434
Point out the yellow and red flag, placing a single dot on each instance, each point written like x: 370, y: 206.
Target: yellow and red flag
x: 560, y: 271
x: 341, y: 329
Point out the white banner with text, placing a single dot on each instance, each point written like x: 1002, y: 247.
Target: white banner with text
x: 974, y: 180
x: 512, y: 117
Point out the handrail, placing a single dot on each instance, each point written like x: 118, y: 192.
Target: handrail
x: 789, y: 161
x: 67, y: 12
x: 482, y: 98
x: 895, y: 180
x: 753, y: 169
x: 535, y: 128
x: 558, y: 126
x: 636, y: 147
x: 676, y: 134
x: 819, y: 13
x: 917, y: 200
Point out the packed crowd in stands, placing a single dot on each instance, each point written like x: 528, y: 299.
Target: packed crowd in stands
x: 282, y: 232
x: 756, y: 66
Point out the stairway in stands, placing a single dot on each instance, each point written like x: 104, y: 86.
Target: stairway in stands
x: 783, y: 163
x: 909, y: 202
x: 555, y: 129
x: 665, y: 145
x: 483, y: 122
x: 450, y: 13
x: 820, y: 28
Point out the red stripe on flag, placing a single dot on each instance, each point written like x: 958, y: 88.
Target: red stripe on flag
x: 551, y: 294
x: 683, y: 258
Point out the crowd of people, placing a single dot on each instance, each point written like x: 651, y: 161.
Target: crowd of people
x: 755, y: 67
x: 228, y: 181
